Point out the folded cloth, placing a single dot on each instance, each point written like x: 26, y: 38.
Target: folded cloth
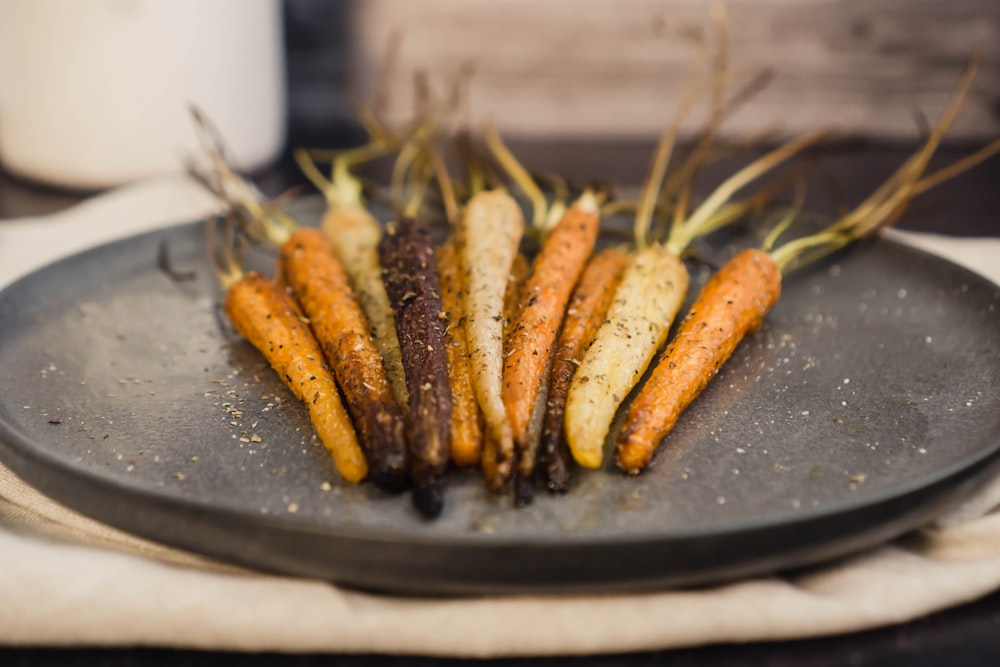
x: 66, y: 579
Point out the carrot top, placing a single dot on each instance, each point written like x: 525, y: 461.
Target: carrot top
x: 545, y: 214
x: 883, y: 206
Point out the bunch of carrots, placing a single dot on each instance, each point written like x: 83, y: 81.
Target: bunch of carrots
x: 413, y: 357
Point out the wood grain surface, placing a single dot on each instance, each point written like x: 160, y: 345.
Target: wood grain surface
x: 572, y: 68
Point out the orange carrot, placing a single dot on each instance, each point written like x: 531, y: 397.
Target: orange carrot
x: 648, y: 298
x: 584, y: 314
x: 321, y: 286
x: 543, y: 304
x: 467, y: 420
x: 732, y: 304
x: 737, y: 298
x: 263, y: 313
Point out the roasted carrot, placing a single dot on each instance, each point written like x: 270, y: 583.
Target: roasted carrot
x: 308, y: 264
x: 737, y: 298
x: 731, y: 305
x: 543, y: 304
x: 413, y: 285
x: 355, y: 234
x: 491, y: 226
x: 467, y: 420
x: 651, y: 292
x: 520, y: 268
x: 587, y: 309
x: 263, y: 312
x: 567, y: 239
x: 321, y: 286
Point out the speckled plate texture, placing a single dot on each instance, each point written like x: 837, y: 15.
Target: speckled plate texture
x: 868, y: 404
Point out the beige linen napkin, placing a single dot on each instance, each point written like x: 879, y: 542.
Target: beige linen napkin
x: 68, y: 580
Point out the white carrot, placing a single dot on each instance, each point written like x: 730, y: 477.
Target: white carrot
x: 652, y: 289
x: 492, y: 227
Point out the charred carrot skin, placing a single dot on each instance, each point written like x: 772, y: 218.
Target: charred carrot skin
x: 543, y: 304
x: 732, y: 304
x: 322, y: 288
x: 466, y: 419
x: 585, y: 312
x: 263, y: 313
x: 413, y: 285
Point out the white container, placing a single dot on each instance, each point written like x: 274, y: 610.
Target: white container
x: 94, y: 93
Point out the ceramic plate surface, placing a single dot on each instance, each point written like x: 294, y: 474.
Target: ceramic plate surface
x: 868, y: 404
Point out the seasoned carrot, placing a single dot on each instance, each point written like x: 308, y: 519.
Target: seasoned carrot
x: 520, y: 268
x: 355, y: 234
x: 567, y: 238
x: 467, y: 420
x: 413, y: 286
x: 585, y: 312
x: 738, y: 297
x: 321, y: 286
x: 732, y: 304
x: 263, y: 313
x: 308, y: 264
x: 543, y: 304
x: 491, y: 225
x: 651, y: 292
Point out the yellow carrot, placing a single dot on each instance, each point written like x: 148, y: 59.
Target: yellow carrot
x: 467, y: 420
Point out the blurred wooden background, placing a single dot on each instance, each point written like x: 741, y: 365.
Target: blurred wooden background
x: 614, y: 69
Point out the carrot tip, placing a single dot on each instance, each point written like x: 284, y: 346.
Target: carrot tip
x: 524, y: 490
x: 392, y: 478
x: 429, y: 499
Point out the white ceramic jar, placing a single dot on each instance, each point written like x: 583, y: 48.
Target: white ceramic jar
x: 94, y: 93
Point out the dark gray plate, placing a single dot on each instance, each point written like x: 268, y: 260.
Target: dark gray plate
x: 867, y: 405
